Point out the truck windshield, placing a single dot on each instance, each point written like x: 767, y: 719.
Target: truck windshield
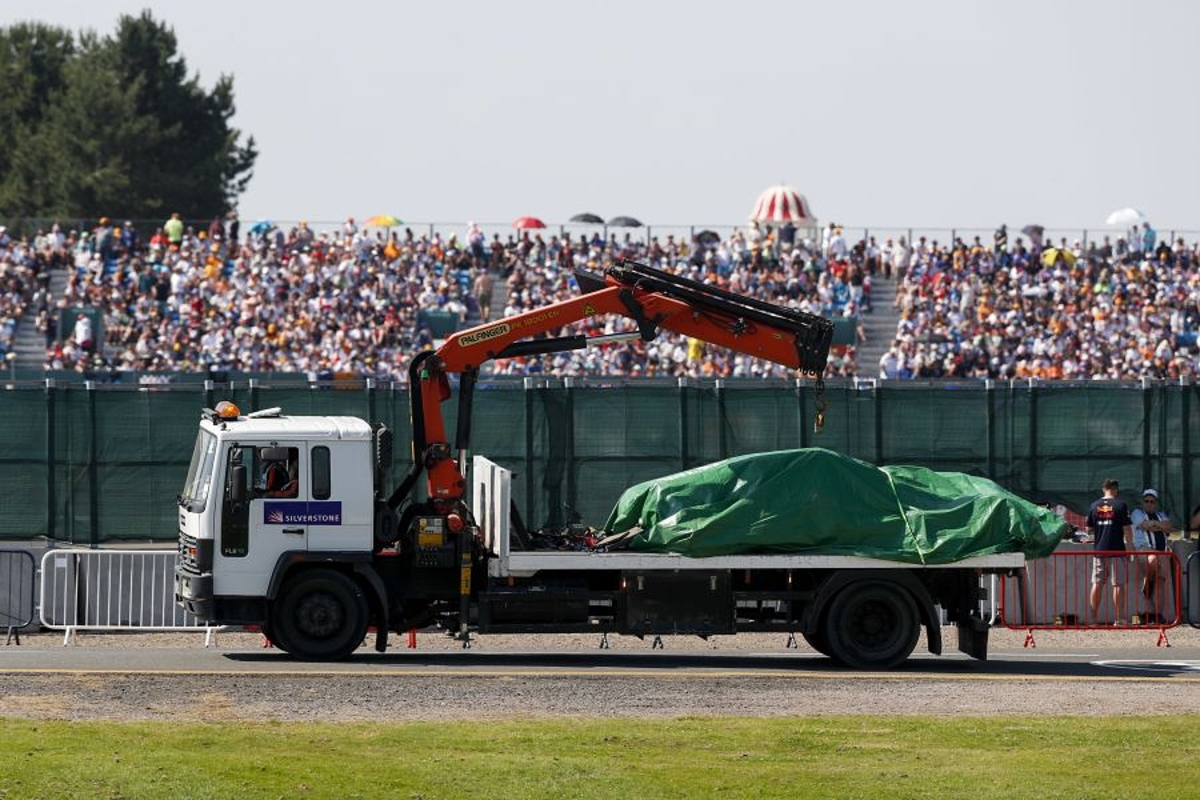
x: 199, y: 478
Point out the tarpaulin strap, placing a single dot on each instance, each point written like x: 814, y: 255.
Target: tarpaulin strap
x: 900, y: 507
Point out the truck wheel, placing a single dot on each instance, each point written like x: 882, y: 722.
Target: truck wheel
x: 320, y: 616
x: 872, y: 625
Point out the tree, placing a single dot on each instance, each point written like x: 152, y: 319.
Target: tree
x: 32, y: 58
x: 117, y: 126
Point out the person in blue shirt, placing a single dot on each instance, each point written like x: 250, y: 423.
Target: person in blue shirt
x: 1149, y: 236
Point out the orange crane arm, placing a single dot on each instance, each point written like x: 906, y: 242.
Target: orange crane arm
x: 653, y: 299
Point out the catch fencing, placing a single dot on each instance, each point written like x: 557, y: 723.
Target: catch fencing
x: 91, y: 463
x: 112, y: 590
x: 1055, y: 593
x: 18, y: 575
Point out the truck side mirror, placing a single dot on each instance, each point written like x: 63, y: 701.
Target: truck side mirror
x: 237, y: 484
x: 383, y: 448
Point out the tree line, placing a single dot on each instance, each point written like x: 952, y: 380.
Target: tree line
x: 113, y: 125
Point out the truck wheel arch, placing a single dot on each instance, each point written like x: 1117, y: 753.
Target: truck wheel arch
x: 321, y: 614
x: 903, y: 579
x: 359, y: 569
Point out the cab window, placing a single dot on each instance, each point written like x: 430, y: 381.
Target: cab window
x: 278, y: 471
x: 321, y: 474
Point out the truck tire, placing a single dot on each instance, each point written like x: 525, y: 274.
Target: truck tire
x: 320, y: 615
x: 872, y: 625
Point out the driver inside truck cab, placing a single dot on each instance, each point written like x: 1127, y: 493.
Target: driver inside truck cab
x: 280, y: 472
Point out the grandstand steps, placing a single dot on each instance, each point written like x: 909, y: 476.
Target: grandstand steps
x: 879, y: 326
x: 29, y: 343
x: 499, y: 295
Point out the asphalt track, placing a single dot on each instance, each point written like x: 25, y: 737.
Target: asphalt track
x: 1181, y: 663
x: 48, y: 680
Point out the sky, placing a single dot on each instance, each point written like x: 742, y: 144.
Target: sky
x: 883, y: 114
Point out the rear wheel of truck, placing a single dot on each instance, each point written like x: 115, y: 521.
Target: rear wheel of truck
x: 320, y: 615
x: 872, y: 625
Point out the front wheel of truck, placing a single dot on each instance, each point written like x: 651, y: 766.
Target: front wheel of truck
x: 320, y: 615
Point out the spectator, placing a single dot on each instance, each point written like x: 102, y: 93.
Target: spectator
x: 1108, y: 523
x: 173, y: 228
x: 1150, y: 529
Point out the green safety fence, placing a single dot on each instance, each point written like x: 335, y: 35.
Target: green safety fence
x: 94, y: 463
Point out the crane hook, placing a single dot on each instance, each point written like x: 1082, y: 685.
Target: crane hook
x: 819, y: 405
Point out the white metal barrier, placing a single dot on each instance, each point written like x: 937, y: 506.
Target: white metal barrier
x: 111, y: 590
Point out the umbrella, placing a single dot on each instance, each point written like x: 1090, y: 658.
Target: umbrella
x: 1036, y: 231
x: 624, y: 222
x: 524, y: 223
x: 1125, y: 216
x: 383, y: 221
x: 708, y: 237
x: 1051, y: 256
x: 262, y: 226
x: 782, y: 204
x: 588, y: 219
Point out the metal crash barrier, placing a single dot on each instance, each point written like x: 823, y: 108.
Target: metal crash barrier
x: 18, y: 575
x: 111, y: 590
x: 1056, y: 593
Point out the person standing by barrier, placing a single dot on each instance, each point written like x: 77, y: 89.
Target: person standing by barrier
x: 1150, y: 529
x: 1108, y: 522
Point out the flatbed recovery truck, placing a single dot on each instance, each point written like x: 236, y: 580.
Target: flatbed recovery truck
x: 331, y: 554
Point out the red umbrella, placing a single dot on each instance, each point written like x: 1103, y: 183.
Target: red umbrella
x: 782, y: 204
x: 524, y: 223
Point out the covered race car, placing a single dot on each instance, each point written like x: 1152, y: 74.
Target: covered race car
x: 815, y: 501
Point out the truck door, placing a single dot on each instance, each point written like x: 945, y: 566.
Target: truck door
x: 263, y: 515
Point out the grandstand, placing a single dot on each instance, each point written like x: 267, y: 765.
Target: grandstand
x: 342, y: 299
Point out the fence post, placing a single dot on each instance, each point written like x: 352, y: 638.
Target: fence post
x: 801, y: 405
x: 370, y: 401
x: 1147, y: 412
x: 93, y: 469
x: 722, y: 436
x: 877, y: 419
x: 1185, y: 445
x: 51, y: 476
x: 990, y: 391
x: 681, y: 387
x: 209, y: 389
x: 527, y: 383
x: 572, y: 476
x: 1033, y: 437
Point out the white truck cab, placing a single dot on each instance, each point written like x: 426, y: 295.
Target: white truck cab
x: 265, y: 487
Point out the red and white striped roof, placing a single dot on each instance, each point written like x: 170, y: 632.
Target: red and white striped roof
x: 782, y: 204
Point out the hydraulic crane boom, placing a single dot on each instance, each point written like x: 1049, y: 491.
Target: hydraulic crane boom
x: 654, y: 299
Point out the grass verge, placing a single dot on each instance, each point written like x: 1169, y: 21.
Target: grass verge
x: 1077, y: 757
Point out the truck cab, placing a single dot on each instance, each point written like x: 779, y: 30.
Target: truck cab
x: 263, y: 491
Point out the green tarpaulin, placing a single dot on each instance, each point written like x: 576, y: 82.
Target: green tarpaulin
x: 816, y: 501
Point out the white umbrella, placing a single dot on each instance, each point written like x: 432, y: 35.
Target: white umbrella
x: 783, y: 204
x: 1125, y: 216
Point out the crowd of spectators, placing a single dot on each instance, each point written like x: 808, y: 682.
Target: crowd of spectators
x: 356, y: 301
x: 24, y: 278
x: 1118, y: 309
x: 324, y: 304
x: 359, y: 301
x: 753, y: 262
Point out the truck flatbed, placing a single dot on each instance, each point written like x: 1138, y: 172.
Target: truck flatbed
x: 527, y: 563
x: 492, y: 492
